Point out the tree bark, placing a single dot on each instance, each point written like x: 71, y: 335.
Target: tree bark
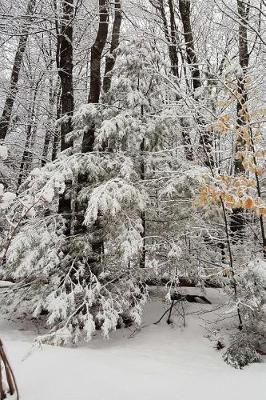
x: 111, y: 58
x: 206, y: 138
x: 96, y: 53
x: 30, y: 132
x: 173, y: 40
x: 95, y: 69
x: 172, y: 44
x: 89, y: 135
x: 57, y: 134
x: 242, y: 98
x: 65, y: 70
x: 13, y: 86
x: 185, y: 13
x: 237, y: 223
x: 52, y: 97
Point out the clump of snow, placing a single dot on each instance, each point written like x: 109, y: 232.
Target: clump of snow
x: 6, y: 284
x: 3, y: 152
x: 5, y: 197
x: 258, y: 267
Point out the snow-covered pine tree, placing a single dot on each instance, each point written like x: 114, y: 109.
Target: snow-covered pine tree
x: 56, y: 275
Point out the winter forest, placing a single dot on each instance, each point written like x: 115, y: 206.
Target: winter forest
x: 132, y: 199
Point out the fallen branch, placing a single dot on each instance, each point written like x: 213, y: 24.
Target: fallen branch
x: 170, y: 311
x: 176, y: 298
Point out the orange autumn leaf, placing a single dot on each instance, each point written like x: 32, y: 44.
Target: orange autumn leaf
x: 248, y: 203
x: 229, y: 198
x: 259, y: 171
x: 262, y: 211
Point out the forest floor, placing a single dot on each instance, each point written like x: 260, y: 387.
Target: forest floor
x: 157, y: 362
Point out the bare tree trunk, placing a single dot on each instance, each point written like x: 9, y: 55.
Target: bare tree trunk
x: 50, y: 128
x: 242, y: 111
x: 31, y: 129
x: 13, y: 86
x: 238, y: 218
x: 88, y: 138
x: 48, y: 133
x: 110, y: 59
x: 57, y: 135
x: 95, y: 69
x: 143, y: 213
x: 173, y: 40
x: 96, y: 53
x: 174, y: 62
x: 184, y: 8
x: 172, y: 43
x: 206, y: 139
x: 65, y: 70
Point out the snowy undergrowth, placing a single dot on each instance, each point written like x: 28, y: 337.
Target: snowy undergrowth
x: 150, y: 364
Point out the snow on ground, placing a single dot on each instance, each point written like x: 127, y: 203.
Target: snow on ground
x: 155, y: 363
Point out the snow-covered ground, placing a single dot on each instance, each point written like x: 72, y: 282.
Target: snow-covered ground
x: 155, y: 363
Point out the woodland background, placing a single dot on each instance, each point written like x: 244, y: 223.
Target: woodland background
x: 133, y: 155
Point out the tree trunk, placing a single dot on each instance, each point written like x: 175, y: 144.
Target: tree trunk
x: 13, y: 86
x: 110, y: 59
x: 173, y: 40
x: 30, y: 132
x: 205, y: 139
x: 88, y: 138
x: 57, y: 134
x: 172, y: 43
x: 185, y: 12
x: 237, y: 224
x: 242, y: 111
x: 96, y: 53
x: 95, y: 69
x: 50, y: 128
x: 65, y: 70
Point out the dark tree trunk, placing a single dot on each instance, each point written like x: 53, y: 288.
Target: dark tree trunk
x: 57, y: 134
x: 172, y: 43
x: 88, y: 138
x: 95, y: 69
x: 143, y: 214
x: 13, y: 86
x: 50, y: 128
x: 96, y: 53
x: 206, y: 138
x: 237, y: 223
x: 171, y: 37
x: 173, y: 40
x: 48, y: 132
x: 184, y: 8
x: 173, y: 52
x: 30, y: 133
x: 242, y: 111
x: 110, y: 59
x: 65, y: 70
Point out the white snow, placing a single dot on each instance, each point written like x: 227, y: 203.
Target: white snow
x: 3, y: 152
x: 155, y: 363
x: 5, y: 284
x: 5, y: 197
